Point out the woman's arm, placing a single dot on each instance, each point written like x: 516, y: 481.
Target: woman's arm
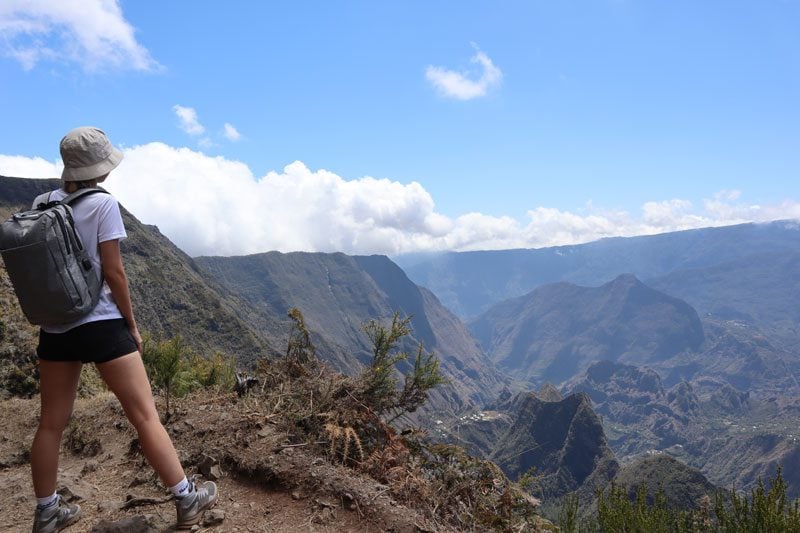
x: 114, y: 275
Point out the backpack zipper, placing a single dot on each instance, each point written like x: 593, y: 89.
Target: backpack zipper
x: 78, y: 243
x: 60, y: 220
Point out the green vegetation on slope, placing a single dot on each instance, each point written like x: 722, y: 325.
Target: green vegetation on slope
x: 764, y: 511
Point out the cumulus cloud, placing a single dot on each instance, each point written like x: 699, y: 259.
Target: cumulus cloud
x: 18, y: 166
x: 231, y: 133
x: 233, y: 211
x: 91, y: 33
x: 465, y: 85
x: 188, y: 120
x: 294, y: 209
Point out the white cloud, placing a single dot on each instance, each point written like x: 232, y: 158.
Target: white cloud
x: 461, y: 85
x: 91, y: 33
x: 295, y: 209
x: 18, y: 166
x: 233, y: 211
x: 231, y: 133
x: 188, y: 120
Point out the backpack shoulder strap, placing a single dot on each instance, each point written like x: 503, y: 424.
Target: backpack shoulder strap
x: 80, y: 193
x: 42, y: 199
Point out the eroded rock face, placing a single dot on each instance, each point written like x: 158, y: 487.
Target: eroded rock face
x: 563, y: 440
x: 559, y: 439
x: 630, y: 396
x: 337, y: 293
x: 549, y: 393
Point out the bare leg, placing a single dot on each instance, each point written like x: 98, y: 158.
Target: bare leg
x: 127, y: 379
x: 58, y: 384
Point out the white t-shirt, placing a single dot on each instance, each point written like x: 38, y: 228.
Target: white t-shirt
x: 97, y: 219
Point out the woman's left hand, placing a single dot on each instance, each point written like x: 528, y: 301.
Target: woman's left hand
x: 137, y: 338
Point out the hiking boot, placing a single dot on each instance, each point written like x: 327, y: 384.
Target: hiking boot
x: 56, y: 517
x: 191, y: 507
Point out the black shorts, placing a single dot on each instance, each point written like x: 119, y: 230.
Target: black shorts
x: 93, y: 342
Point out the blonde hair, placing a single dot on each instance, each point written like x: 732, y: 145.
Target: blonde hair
x: 72, y: 186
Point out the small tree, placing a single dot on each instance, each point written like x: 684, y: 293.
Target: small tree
x: 617, y: 512
x: 425, y: 376
x: 176, y: 369
x: 378, y: 382
x: 568, y: 515
x: 166, y: 364
x: 299, y: 348
x: 218, y: 371
x: 765, y: 510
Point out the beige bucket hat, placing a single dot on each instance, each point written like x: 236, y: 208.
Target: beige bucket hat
x: 87, y: 154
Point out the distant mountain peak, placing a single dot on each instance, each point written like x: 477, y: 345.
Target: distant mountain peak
x: 563, y: 440
x: 606, y: 379
x: 469, y: 283
x: 624, y: 280
x: 549, y: 393
x: 558, y: 330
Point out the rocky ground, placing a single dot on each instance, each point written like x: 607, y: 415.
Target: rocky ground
x: 266, y: 481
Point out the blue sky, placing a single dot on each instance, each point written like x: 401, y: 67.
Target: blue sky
x: 396, y: 127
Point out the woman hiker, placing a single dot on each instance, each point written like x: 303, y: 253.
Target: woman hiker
x: 107, y: 337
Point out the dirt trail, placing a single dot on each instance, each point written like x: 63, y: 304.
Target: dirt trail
x: 260, y: 489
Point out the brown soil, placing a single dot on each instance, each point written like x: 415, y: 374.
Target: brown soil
x: 267, y: 482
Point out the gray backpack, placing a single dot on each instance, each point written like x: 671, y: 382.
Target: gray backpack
x: 52, y: 275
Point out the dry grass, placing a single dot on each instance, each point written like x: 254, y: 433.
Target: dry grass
x: 318, y: 408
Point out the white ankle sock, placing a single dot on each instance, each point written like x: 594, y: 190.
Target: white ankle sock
x: 181, y: 489
x: 47, y: 501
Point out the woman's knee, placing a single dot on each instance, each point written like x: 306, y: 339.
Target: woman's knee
x: 54, y: 422
x: 140, y: 410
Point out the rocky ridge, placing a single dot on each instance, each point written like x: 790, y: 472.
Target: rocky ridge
x: 560, y: 440
x: 556, y: 331
x: 733, y: 438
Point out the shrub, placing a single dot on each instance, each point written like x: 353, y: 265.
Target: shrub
x: 617, y: 512
x: 90, y: 382
x: 166, y: 365
x: 19, y: 381
x: 568, y: 515
x: 299, y: 348
x: 176, y: 370
x: 763, y: 511
x: 216, y: 372
x: 378, y: 385
x: 348, y: 419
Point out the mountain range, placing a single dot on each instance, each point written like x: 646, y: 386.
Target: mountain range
x: 729, y: 434
x: 469, y: 283
x: 554, y: 332
x: 238, y: 305
x: 683, y: 344
x: 337, y: 294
